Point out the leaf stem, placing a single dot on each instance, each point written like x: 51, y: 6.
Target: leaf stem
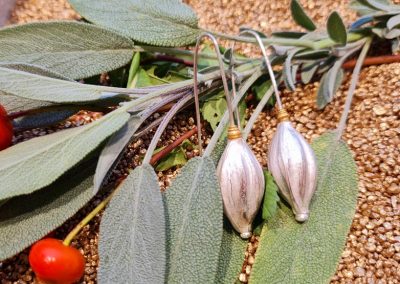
x: 326, y: 43
x: 353, y: 84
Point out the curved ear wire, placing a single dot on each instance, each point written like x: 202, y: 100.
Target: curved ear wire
x: 195, y: 87
x: 268, y: 63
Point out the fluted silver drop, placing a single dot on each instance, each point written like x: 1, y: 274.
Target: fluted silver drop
x: 242, y: 185
x: 292, y: 163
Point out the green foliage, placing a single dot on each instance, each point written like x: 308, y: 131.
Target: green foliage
x: 36, y: 87
x: 133, y: 69
x: 325, y: 94
x: 49, y: 116
x: 28, y: 218
x: 36, y: 163
x: 176, y: 158
x: 231, y: 255
x: 290, y: 252
x: 271, y: 198
x: 336, y: 29
x: 194, y: 223
x: 300, y: 17
x: 214, y: 109
x: 166, y: 23
x: 132, y: 232
x: 76, y: 50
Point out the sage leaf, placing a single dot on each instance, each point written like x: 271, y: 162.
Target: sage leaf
x: 362, y: 8
x: 382, y: 5
x: 288, y: 77
x: 41, y: 119
x: 132, y: 244
x: 289, y: 34
x: 290, y: 252
x: 324, y: 94
x: 26, y: 219
x: 76, y: 50
x: 300, y: 17
x: 393, y: 22
x: 271, y: 198
x: 194, y: 223
x: 361, y: 21
x: 394, y: 33
x: 113, y: 150
x: 336, y: 28
x: 14, y: 103
x: 162, y: 23
x: 308, y: 71
x: 231, y: 255
x: 41, y: 88
x: 36, y: 163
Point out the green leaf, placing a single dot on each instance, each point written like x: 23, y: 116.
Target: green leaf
x: 290, y: 252
x: 132, y: 244
x: 76, y: 50
x: 26, y: 219
x: 213, y: 109
x: 176, y: 158
x: 231, y: 255
x: 394, y: 33
x: 36, y: 163
x: 382, y: 5
x: 194, y: 223
x: 361, y: 8
x: 300, y: 17
x: 286, y: 34
x: 133, y: 69
x: 113, y: 150
x: 336, y: 28
x: 165, y: 23
x: 261, y: 88
x: 36, y: 87
x: 271, y: 198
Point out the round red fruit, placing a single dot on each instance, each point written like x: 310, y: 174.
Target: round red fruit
x: 55, y: 262
x: 6, y: 130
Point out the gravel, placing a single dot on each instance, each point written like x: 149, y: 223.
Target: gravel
x: 372, y: 252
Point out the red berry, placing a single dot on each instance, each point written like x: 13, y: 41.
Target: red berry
x: 6, y: 129
x: 55, y: 262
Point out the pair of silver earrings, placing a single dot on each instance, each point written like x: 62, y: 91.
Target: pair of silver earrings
x: 291, y: 160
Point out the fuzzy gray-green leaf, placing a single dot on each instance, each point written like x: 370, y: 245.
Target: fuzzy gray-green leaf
x: 163, y: 23
x: 336, y: 29
x: 290, y: 252
x: 41, y: 88
x: 76, y: 50
x: 231, y: 256
x: 26, y: 219
x: 114, y: 148
x: 325, y: 95
x: 132, y: 243
x: 48, y: 117
x: 300, y: 17
x: 393, y: 22
x: 194, y: 223
x: 34, y: 164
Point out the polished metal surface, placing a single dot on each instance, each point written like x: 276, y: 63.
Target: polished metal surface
x: 292, y: 163
x: 242, y: 185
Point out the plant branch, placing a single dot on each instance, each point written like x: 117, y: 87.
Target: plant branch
x: 376, y: 60
x: 165, y: 151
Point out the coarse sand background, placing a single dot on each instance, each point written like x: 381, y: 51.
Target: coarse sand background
x: 372, y: 252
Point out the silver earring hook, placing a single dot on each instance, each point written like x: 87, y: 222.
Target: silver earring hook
x: 267, y: 62
x: 195, y: 87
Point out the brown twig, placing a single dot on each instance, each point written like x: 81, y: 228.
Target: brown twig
x: 164, y: 152
x: 377, y: 60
